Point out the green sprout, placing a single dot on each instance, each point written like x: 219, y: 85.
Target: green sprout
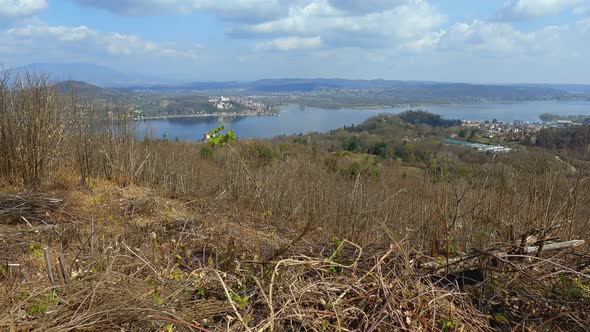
x: 215, y: 138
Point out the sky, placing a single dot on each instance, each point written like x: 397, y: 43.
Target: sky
x: 481, y: 41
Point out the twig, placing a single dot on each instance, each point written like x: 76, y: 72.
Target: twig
x: 48, y: 266
x: 62, y: 264
x: 145, y: 261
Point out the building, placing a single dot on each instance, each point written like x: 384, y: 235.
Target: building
x: 564, y: 123
x: 479, y: 146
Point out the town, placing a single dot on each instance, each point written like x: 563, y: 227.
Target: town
x: 486, y: 136
x: 510, y: 130
x: 247, y: 105
x: 184, y: 106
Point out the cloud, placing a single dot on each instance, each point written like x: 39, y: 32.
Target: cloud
x: 356, y: 7
x: 398, y: 26
x: 525, y: 9
x: 291, y: 43
x: 338, y: 23
x: 497, y: 39
x: 45, y: 41
x: 486, y: 40
x: 581, y: 11
x: 241, y: 10
x: 15, y: 8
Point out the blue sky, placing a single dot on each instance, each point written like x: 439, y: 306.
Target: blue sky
x: 443, y: 40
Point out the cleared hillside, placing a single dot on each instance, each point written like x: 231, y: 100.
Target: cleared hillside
x: 101, y: 231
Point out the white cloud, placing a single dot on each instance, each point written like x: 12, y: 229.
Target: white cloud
x: 496, y: 38
x: 408, y: 22
x: 501, y: 39
x: 14, y: 8
x: 291, y: 43
x: 79, y: 41
x: 427, y: 42
x: 550, y: 46
x: 338, y: 23
x: 524, y: 9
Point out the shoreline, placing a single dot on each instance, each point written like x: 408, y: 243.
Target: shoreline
x: 177, y: 116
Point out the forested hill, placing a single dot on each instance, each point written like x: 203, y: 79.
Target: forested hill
x: 91, y: 92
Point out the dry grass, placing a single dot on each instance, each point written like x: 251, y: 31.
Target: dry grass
x: 196, y: 265
x: 144, y: 277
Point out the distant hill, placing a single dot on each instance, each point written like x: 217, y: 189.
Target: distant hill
x: 90, y: 73
x: 82, y: 88
x: 452, y: 91
x: 412, y: 89
x: 287, y: 85
x: 295, y: 84
x: 201, y: 86
x: 571, y: 88
x: 406, y: 90
x: 90, y: 92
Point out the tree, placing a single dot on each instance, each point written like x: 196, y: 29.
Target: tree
x: 352, y: 144
x: 547, y: 117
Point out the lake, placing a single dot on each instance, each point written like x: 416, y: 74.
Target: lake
x: 292, y: 120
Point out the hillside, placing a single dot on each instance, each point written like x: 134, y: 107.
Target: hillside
x: 371, y: 227
x: 88, y: 91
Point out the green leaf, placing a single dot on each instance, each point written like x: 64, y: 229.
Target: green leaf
x: 221, y: 139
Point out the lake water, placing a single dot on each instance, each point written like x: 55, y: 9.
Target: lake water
x: 292, y: 120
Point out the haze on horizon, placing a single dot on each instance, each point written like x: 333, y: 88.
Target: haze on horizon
x: 544, y: 41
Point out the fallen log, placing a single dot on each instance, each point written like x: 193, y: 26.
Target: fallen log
x: 527, y: 250
x: 554, y: 246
